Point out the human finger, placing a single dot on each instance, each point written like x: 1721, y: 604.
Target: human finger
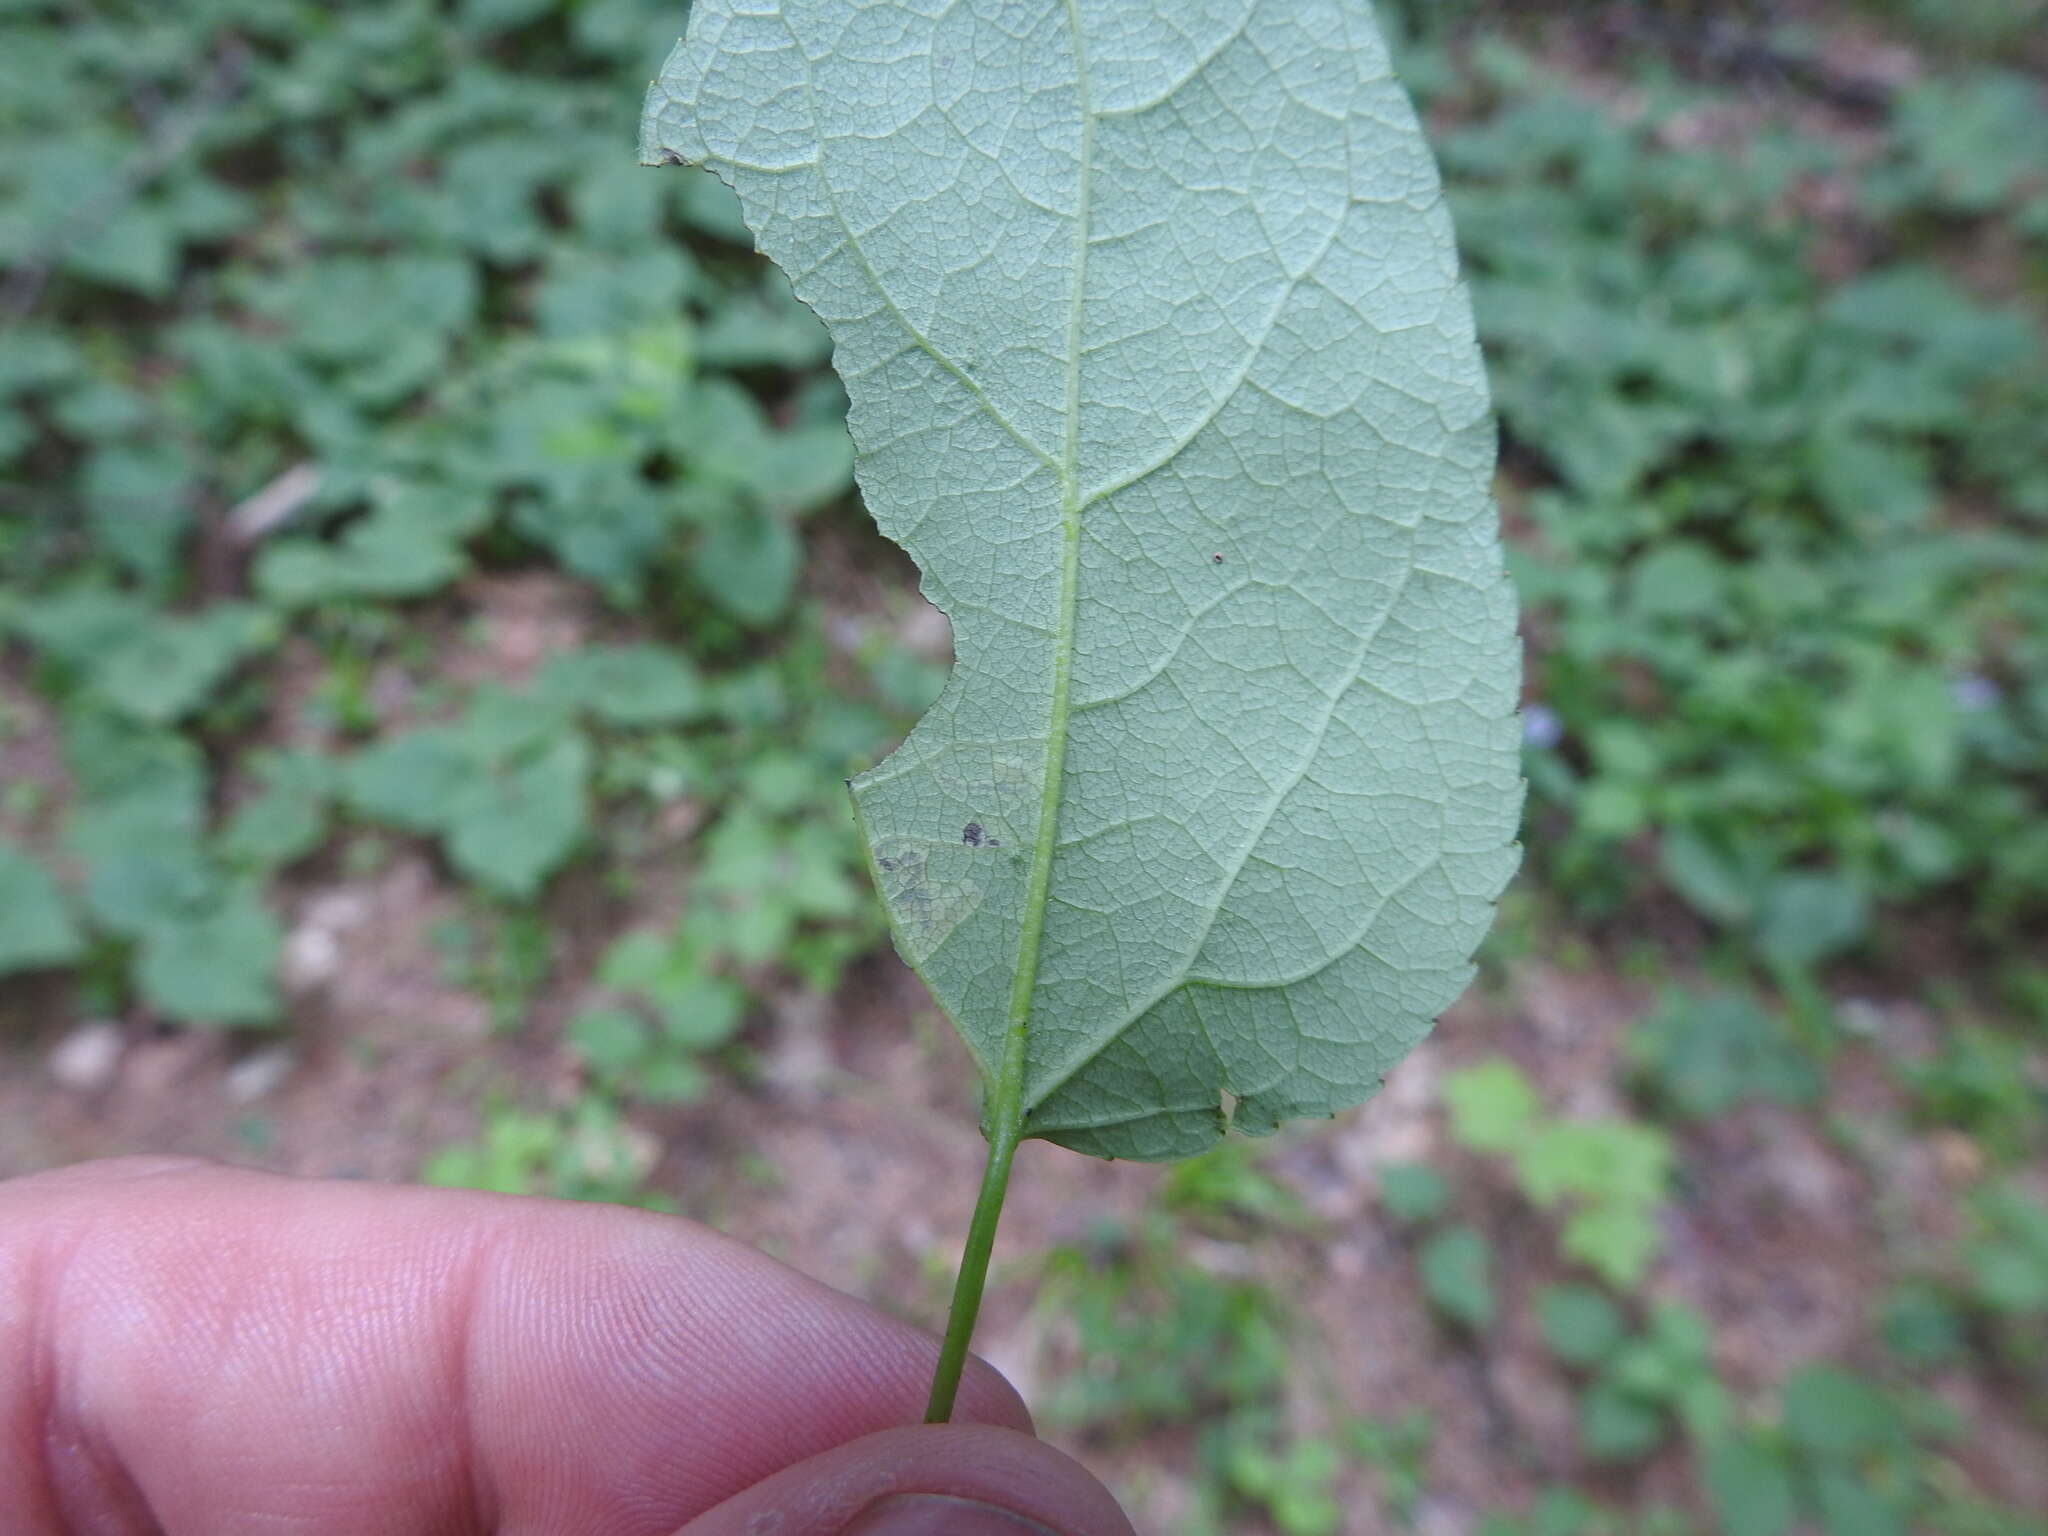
x: 195, y: 1349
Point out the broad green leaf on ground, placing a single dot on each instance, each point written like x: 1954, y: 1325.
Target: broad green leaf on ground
x: 1457, y: 1276
x: 1160, y: 368
x: 148, y: 665
x: 627, y: 685
x: 214, y: 966
x: 286, y: 818
x: 513, y: 826
x: 36, y: 927
x: 506, y: 788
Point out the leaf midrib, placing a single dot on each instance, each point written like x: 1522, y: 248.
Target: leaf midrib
x: 1038, y: 885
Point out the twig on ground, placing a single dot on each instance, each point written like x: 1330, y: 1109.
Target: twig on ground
x: 257, y: 517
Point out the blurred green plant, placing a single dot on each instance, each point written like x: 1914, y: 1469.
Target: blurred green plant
x: 1849, y: 1457
x: 1703, y: 1054
x: 1639, y: 1387
x: 582, y: 1153
x: 1988, y: 1083
x: 1767, y: 647
x: 1568, y: 1512
x: 1456, y: 1270
x: 1227, y: 1190
x: 1159, y: 1341
x: 1611, y: 1177
x: 371, y: 302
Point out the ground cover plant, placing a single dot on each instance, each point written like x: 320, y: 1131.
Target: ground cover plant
x: 565, y: 545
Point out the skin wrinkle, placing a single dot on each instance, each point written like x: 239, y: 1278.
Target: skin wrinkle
x: 84, y: 1485
x: 35, y: 1417
x: 476, y: 1477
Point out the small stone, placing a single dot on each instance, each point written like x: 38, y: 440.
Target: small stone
x: 260, y: 1074
x: 799, y: 1061
x: 87, y: 1059
x: 312, y: 958
x: 1960, y: 1159
x: 340, y: 910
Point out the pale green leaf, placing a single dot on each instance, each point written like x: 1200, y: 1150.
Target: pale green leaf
x: 1751, y: 1487
x: 512, y: 826
x: 627, y: 685
x: 1160, y: 368
x: 36, y: 926
x: 748, y: 563
x: 286, y: 818
x: 1493, y: 1106
x: 213, y: 966
x: 1457, y: 1276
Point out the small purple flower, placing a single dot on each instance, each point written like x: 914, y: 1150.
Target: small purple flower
x: 1975, y: 692
x: 1541, y: 728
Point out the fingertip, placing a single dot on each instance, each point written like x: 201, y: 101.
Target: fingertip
x: 960, y: 1479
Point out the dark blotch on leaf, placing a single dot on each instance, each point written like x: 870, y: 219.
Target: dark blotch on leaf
x: 971, y: 834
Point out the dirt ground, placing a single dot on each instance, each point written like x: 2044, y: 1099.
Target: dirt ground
x: 845, y: 1141
x: 851, y: 1152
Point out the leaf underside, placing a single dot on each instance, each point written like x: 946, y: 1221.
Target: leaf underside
x: 1160, y: 368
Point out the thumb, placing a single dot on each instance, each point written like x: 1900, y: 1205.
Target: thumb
x: 938, y: 1480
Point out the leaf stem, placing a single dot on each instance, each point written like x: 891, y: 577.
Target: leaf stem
x: 1005, y: 1113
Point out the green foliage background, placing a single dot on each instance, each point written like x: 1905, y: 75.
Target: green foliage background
x: 314, y: 316
x: 390, y: 262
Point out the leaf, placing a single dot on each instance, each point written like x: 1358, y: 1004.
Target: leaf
x: 1413, y: 1192
x: 510, y: 826
x: 1830, y: 1412
x: 628, y: 685
x: 1710, y: 1053
x: 1457, y: 1276
x: 286, y: 819
x: 1493, y: 1106
x: 1160, y: 368
x: 1750, y: 1486
x: 175, y: 667
x: 748, y: 563
x: 1810, y: 918
x: 767, y: 330
x: 613, y: 1039
x: 505, y: 788
x: 216, y: 966
x: 1581, y: 1326
x: 152, y: 667
x: 139, y: 501
x: 410, y: 780
x: 1616, y: 1425
x: 1617, y: 1242
x: 384, y: 555
x: 1851, y: 1506
x: 36, y: 928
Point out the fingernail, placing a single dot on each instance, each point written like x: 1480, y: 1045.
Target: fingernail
x: 938, y: 1514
